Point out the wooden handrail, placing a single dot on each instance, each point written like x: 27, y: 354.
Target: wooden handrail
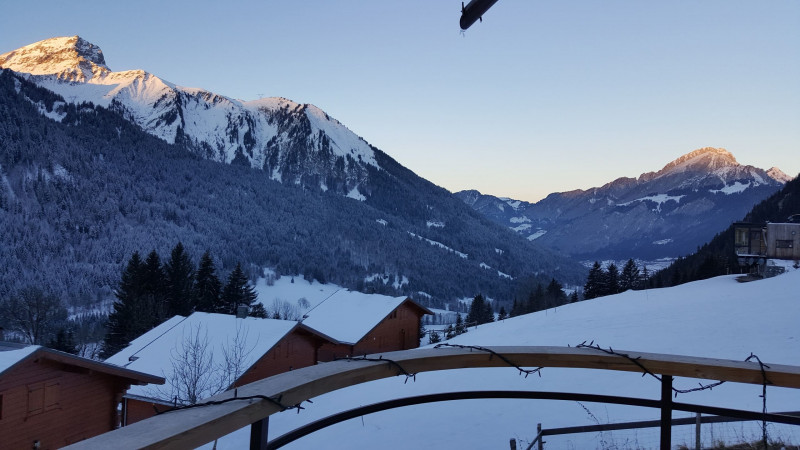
x: 196, y: 426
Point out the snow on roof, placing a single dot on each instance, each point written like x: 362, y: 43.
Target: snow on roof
x: 347, y: 316
x: 153, y: 352
x: 10, y: 354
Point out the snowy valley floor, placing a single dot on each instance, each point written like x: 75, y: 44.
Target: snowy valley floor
x: 718, y: 318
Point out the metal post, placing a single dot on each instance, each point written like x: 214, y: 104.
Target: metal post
x: 539, y: 433
x: 258, y: 434
x: 666, y: 412
x: 697, y: 432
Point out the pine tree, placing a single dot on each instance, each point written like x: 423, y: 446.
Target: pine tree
x: 207, y: 287
x: 178, y: 281
x: 502, y: 314
x: 460, y: 328
x: 629, y: 276
x: 434, y: 338
x: 612, y: 279
x: 515, y: 309
x: 488, y: 313
x: 555, y: 294
x: 132, y: 315
x: 449, y: 332
x: 594, y: 282
x: 64, y: 341
x: 573, y: 298
x: 237, y: 291
x: 154, y: 289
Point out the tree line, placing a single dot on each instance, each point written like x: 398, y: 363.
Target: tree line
x: 151, y: 292
x: 611, y: 281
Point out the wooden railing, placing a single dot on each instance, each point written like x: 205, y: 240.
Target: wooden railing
x: 193, y: 427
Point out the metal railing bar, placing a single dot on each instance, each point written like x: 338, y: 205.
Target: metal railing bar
x: 524, y: 395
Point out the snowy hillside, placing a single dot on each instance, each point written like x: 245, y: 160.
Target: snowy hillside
x: 718, y: 317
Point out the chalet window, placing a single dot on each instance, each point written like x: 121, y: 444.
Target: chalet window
x: 784, y: 243
x: 43, y: 397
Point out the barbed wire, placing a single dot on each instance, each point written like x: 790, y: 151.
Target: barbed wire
x: 763, y: 395
x: 493, y: 353
x: 645, y: 370
x: 401, y: 370
x: 703, y: 387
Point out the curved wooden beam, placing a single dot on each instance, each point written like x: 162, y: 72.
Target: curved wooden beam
x: 196, y: 426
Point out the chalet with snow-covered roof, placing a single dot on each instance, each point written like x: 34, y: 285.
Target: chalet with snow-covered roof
x: 229, y: 351
x: 354, y: 323
x: 49, y: 399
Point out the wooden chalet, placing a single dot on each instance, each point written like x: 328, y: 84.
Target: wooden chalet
x: 262, y: 347
x: 49, y: 399
x: 347, y: 323
x: 354, y: 323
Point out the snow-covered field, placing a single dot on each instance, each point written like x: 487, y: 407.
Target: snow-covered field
x: 715, y: 318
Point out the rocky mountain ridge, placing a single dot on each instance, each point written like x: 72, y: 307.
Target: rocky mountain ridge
x: 666, y: 213
x: 295, y: 143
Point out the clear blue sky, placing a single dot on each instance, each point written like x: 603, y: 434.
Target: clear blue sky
x: 542, y: 96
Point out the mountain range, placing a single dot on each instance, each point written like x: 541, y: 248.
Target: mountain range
x: 97, y: 164
x: 663, y: 214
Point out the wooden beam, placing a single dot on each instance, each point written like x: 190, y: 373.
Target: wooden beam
x: 196, y: 426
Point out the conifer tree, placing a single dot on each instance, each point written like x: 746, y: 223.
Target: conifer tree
x: 502, y: 315
x: 434, y: 338
x: 132, y: 315
x: 629, y: 276
x: 207, y: 287
x: 612, y: 279
x: 460, y: 326
x: 178, y: 281
x: 64, y: 341
x: 153, y: 290
x: 515, y: 309
x: 573, y: 298
x: 594, y: 282
x: 237, y: 292
x: 488, y: 313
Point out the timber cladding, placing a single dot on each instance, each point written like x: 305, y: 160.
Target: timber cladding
x: 55, y: 404
x: 783, y: 240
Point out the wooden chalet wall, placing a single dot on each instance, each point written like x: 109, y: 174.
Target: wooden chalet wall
x: 397, y: 331
x: 783, y: 240
x: 295, y: 350
x: 56, y: 404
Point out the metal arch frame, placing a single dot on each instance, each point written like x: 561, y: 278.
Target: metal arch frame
x: 253, y: 403
x: 333, y: 419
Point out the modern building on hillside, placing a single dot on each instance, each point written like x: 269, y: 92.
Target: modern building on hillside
x: 355, y: 323
x: 756, y: 244
x: 49, y: 399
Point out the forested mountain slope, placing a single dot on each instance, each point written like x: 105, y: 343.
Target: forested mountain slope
x: 79, y: 194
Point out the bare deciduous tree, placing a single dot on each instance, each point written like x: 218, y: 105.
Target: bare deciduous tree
x: 196, y: 373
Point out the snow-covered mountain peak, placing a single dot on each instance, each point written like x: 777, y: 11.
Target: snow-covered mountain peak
x: 779, y: 175
x: 69, y: 58
x: 295, y: 143
x: 704, y: 159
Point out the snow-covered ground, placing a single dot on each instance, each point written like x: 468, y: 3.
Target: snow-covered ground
x: 714, y: 318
